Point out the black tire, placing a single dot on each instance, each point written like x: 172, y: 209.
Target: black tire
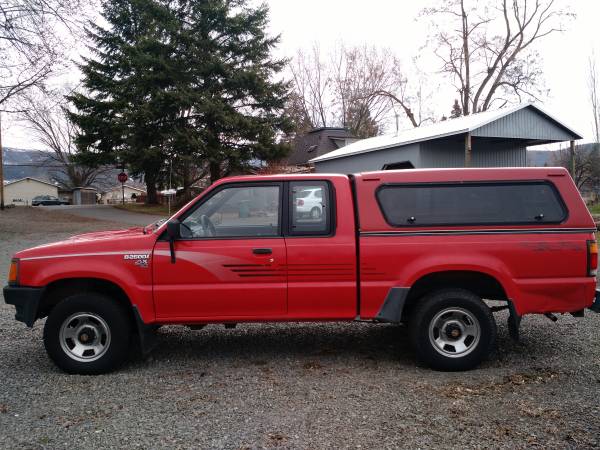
x: 94, y: 309
x: 467, y: 323
x: 315, y: 213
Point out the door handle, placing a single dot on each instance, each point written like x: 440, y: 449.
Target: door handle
x: 262, y: 251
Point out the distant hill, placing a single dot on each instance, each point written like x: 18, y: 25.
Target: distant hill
x: 21, y: 163
x: 547, y: 158
x: 540, y: 158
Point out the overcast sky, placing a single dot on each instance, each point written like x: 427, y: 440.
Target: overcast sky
x: 394, y: 24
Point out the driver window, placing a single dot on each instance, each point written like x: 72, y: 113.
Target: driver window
x: 236, y: 212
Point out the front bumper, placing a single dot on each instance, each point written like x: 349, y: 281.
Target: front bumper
x: 26, y: 300
x: 596, y: 305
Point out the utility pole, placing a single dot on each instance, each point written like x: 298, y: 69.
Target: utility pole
x: 123, y: 185
x: 1, y: 170
x: 170, y: 177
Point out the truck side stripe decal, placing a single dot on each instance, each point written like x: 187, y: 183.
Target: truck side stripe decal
x: 72, y: 255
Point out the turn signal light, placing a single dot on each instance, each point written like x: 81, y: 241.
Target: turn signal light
x: 592, y: 258
x: 12, y: 272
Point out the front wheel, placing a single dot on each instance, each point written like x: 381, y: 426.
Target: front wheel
x: 452, y: 330
x: 87, y: 334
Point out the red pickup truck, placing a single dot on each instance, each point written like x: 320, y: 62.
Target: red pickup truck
x: 427, y: 248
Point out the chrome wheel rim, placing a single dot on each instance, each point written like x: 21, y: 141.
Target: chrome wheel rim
x: 84, y: 337
x: 454, y: 332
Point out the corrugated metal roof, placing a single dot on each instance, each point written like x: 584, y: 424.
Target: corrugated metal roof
x: 437, y: 130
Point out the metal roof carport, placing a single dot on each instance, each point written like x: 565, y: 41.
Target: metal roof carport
x: 489, y: 139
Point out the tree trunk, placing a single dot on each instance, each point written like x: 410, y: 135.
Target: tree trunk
x: 187, y: 185
x: 187, y: 177
x: 467, y: 61
x: 215, y: 171
x: 151, y: 197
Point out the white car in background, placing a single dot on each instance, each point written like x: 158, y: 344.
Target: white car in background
x: 309, y: 202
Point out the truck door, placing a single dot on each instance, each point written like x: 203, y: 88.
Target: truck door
x: 321, y: 251
x: 231, y: 260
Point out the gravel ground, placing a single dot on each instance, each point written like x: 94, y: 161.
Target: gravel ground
x: 107, y: 213
x: 294, y: 385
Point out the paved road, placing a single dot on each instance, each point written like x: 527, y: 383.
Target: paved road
x: 108, y: 213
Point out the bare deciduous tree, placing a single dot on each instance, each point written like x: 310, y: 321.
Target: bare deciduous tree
x: 358, y: 73
x: 312, y: 95
x: 411, y: 97
x: 47, y: 118
x: 587, y: 164
x: 354, y: 87
x: 33, y: 36
x: 594, y: 87
x: 488, y: 47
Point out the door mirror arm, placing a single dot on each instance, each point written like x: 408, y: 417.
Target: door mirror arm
x: 174, y: 233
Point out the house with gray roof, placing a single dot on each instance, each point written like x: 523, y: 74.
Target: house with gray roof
x: 318, y: 142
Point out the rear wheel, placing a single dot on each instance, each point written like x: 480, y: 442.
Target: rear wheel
x: 452, y: 329
x: 88, y: 334
x: 315, y: 213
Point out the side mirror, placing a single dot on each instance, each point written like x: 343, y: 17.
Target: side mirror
x: 174, y: 233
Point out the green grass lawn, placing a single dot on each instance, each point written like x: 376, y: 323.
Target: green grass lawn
x: 158, y: 210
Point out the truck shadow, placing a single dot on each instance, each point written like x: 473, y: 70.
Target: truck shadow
x: 277, y: 342
x: 338, y: 343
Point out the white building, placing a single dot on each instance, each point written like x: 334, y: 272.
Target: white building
x: 21, y: 192
x: 115, y: 194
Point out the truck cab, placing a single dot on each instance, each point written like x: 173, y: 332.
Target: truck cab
x: 425, y: 249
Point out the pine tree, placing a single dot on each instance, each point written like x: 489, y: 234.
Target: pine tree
x: 237, y: 105
x: 187, y: 80
x: 126, y: 109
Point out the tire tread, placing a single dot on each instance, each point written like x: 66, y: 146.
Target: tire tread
x: 117, y: 318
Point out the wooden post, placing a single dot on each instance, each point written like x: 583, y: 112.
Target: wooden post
x: 468, y: 150
x: 572, y: 159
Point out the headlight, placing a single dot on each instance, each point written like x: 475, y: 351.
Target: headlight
x: 13, y: 272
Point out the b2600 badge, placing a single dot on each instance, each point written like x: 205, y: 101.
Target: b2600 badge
x: 141, y: 259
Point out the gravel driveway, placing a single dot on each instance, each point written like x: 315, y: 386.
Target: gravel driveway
x: 106, y: 213
x: 294, y: 385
